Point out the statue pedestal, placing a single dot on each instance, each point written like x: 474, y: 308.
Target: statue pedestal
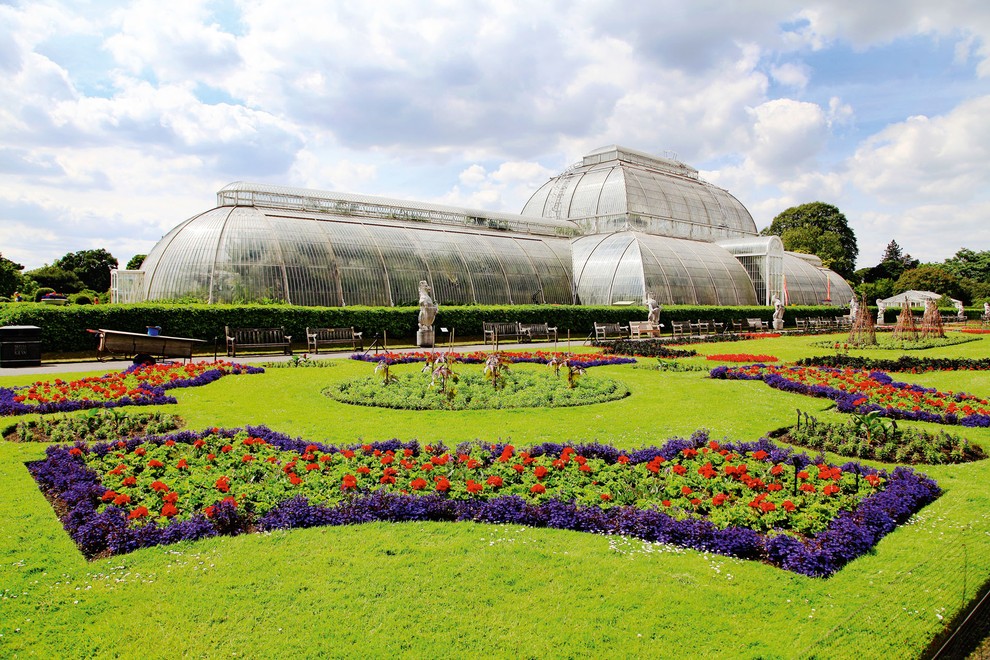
x: 778, y: 324
x: 424, y: 338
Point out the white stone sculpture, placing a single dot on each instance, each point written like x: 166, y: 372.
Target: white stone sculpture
x: 881, y: 308
x: 427, y: 313
x: 778, y: 312
x: 654, y: 310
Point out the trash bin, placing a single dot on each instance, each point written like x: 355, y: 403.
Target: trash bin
x: 20, y: 346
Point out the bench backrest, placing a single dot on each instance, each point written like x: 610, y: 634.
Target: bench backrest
x: 257, y: 335
x: 502, y: 328
x: 331, y: 334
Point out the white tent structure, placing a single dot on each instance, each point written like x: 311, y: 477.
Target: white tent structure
x: 913, y: 298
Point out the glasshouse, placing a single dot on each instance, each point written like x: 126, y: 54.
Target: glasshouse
x: 611, y: 229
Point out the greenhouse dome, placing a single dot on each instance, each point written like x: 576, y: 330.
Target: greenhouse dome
x: 613, y: 228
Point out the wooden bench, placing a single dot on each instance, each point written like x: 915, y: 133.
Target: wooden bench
x: 616, y: 330
x: 318, y: 337
x: 757, y: 325
x: 257, y: 338
x: 134, y: 343
x: 497, y: 331
x: 527, y: 331
x: 680, y: 328
x: 639, y: 328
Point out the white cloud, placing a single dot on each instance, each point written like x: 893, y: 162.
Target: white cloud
x: 788, y: 134
x: 792, y: 75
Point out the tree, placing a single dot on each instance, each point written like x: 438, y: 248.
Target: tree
x: 970, y: 264
x: 63, y: 281
x: 11, y: 279
x: 136, y: 261
x: 820, y: 229
x: 90, y: 266
x: 930, y: 277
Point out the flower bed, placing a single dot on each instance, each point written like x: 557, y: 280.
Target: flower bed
x: 860, y: 391
x: 139, y: 385
x: 741, y: 357
x: 904, y: 363
x: 642, y: 348
x: 749, y: 500
x: 583, y: 360
x: 975, y: 331
x: 474, y: 391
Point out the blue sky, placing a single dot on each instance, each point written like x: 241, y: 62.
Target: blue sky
x: 118, y: 120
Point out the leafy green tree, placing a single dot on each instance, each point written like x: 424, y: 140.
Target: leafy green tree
x: 820, y: 229
x: 63, y: 281
x: 970, y: 264
x: 872, y: 290
x: 136, y: 261
x: 92, y: 267
x: 11, y: 279
x: 931, y: 277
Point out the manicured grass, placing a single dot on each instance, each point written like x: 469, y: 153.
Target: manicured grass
x: 468, y: 589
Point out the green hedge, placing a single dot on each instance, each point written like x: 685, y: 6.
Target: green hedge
x: 64, y: 328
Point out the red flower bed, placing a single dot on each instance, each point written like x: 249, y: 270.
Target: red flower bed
x: 741, y: 357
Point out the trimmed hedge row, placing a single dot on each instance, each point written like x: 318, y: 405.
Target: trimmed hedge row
x: 64, y: 328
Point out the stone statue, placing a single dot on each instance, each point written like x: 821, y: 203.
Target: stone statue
x: 853, y: 308
x: 960, y: 312
x: 654, y: 310
x: 881, y: 308
x: 778, y: 312
x: 986, y: 310
x: 427, y: 312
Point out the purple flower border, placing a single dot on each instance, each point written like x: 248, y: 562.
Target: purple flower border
x: 849, y: 535
x: 154, y: 394
x: 464, y: 358
x: 845, y: 401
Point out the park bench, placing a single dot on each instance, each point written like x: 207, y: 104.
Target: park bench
x: 757, y: 325
x: 241, y: 339
x: 320, y: 337
x: 499, y: 331
x: 680, y: 328
x: 138, y: 344
x: 639, y: 328
x: 527, y: 331
x: 615, y: 330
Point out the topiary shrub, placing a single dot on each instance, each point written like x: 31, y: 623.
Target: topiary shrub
x: 81, y: 299
x: 42, y: 292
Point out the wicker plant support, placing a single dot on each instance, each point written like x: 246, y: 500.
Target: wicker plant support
x: 931, y: 322
x: 863, y: 332
x: 906, y: 330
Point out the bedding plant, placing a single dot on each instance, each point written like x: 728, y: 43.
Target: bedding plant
x: 749, y: 500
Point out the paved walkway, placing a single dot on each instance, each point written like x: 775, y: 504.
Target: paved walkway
x: 92, y: 364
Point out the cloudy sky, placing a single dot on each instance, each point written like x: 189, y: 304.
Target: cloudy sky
x: 118, y: 120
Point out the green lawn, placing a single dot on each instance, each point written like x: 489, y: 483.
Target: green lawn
x: 468, y: 589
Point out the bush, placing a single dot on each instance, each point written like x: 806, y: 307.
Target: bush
x: 81, y: 299
x: 42, y: 292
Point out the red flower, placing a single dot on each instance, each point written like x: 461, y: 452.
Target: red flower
x: 387, y: 459
x: 350, y: 481
x: 873, y: 480
x: 209, y: 511
x: 719, y: 499
x: 182, y: 465
x: 223, y: 484
x: 474, y: 487
x: 199, y: 443
x: 108, y: 495
x: 830, y: 489
x: 347, y: 453
x: 426, y: 467
x: 155, y: 463
x: 760, y: 455
x: 442, y: 484
x: 75, y: 451
x: 364, y: 469
x: 311, y: 448
x: 680, y: 470
x: 129, y: 481
x: 122, y: 498
x: 138, y: 512
x: 418, y: 484
x: 788, y: 506
x: 695, y: 501
x: 518, y: 467
x: 606, y: 497
x: 226, y: 448
x: 495, y: 481
x: 247, y: 458
x: 140, y: 451
x: 776, y: 469
x: 312, y: 466
x: 666, y: 502
x: 172, y: 497
x: 767, y: 507
x: 170, y: 443
x: 686, y: 490
x: 160, y: 487
x: 537, y: 489
x: 807, y: 488
x: 169, y: 510
x: 293, y: 479
x: 622, y: 459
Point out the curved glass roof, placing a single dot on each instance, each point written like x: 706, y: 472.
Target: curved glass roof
x: 808, y: 284
x: 243, y: 253
x: 625, y: 266
x: 618, y: 189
